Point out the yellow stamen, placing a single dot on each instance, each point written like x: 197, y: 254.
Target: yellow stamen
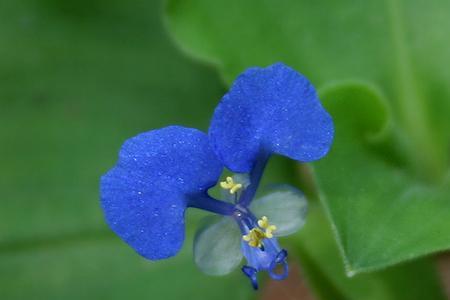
x: 235, y: 188
x: 256, y: 235
x: 263, y: 222
x: 270, y: 230
x: 229, y: 184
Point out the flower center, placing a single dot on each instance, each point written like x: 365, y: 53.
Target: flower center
x: 259, y: 245
x: 256, y: 235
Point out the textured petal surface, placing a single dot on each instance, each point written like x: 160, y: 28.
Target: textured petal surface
x: 144, y: 197
x: 217, y: 246
x: 273, y: 109
x: 284, y: 206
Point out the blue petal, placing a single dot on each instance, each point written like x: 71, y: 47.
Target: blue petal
x: 145, y: 195
x: 271, y: 110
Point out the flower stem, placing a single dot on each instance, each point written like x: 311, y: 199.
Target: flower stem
x: 255, y: 178
x: 208, y: 203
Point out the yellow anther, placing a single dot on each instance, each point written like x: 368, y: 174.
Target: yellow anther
x: 229, y: 184
x: 270, y: 230
x: 256, y: 235
x: 263, y: 222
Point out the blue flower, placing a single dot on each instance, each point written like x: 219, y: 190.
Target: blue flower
x: 160, y: 173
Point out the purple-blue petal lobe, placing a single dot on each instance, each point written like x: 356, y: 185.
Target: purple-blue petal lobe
x: 270, y: 110
x: 145, y: 195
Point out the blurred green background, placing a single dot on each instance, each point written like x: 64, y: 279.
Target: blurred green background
x: 77, y: 78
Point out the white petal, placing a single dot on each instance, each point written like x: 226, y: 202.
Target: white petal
x: 285, y: 207
x: 217, y: 246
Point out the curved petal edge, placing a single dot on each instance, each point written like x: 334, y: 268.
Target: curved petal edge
x: 145, y: 195
x: 273, y: 109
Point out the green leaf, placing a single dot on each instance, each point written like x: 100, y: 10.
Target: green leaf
x: 320, y: 260
x: 381, y: 214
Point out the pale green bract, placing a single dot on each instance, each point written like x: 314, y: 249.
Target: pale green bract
x: 285, y: 207
x: 217, y: 246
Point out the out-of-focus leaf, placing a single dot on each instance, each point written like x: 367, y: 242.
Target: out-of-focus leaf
x: 74, y: 84
x: 108, y: 269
